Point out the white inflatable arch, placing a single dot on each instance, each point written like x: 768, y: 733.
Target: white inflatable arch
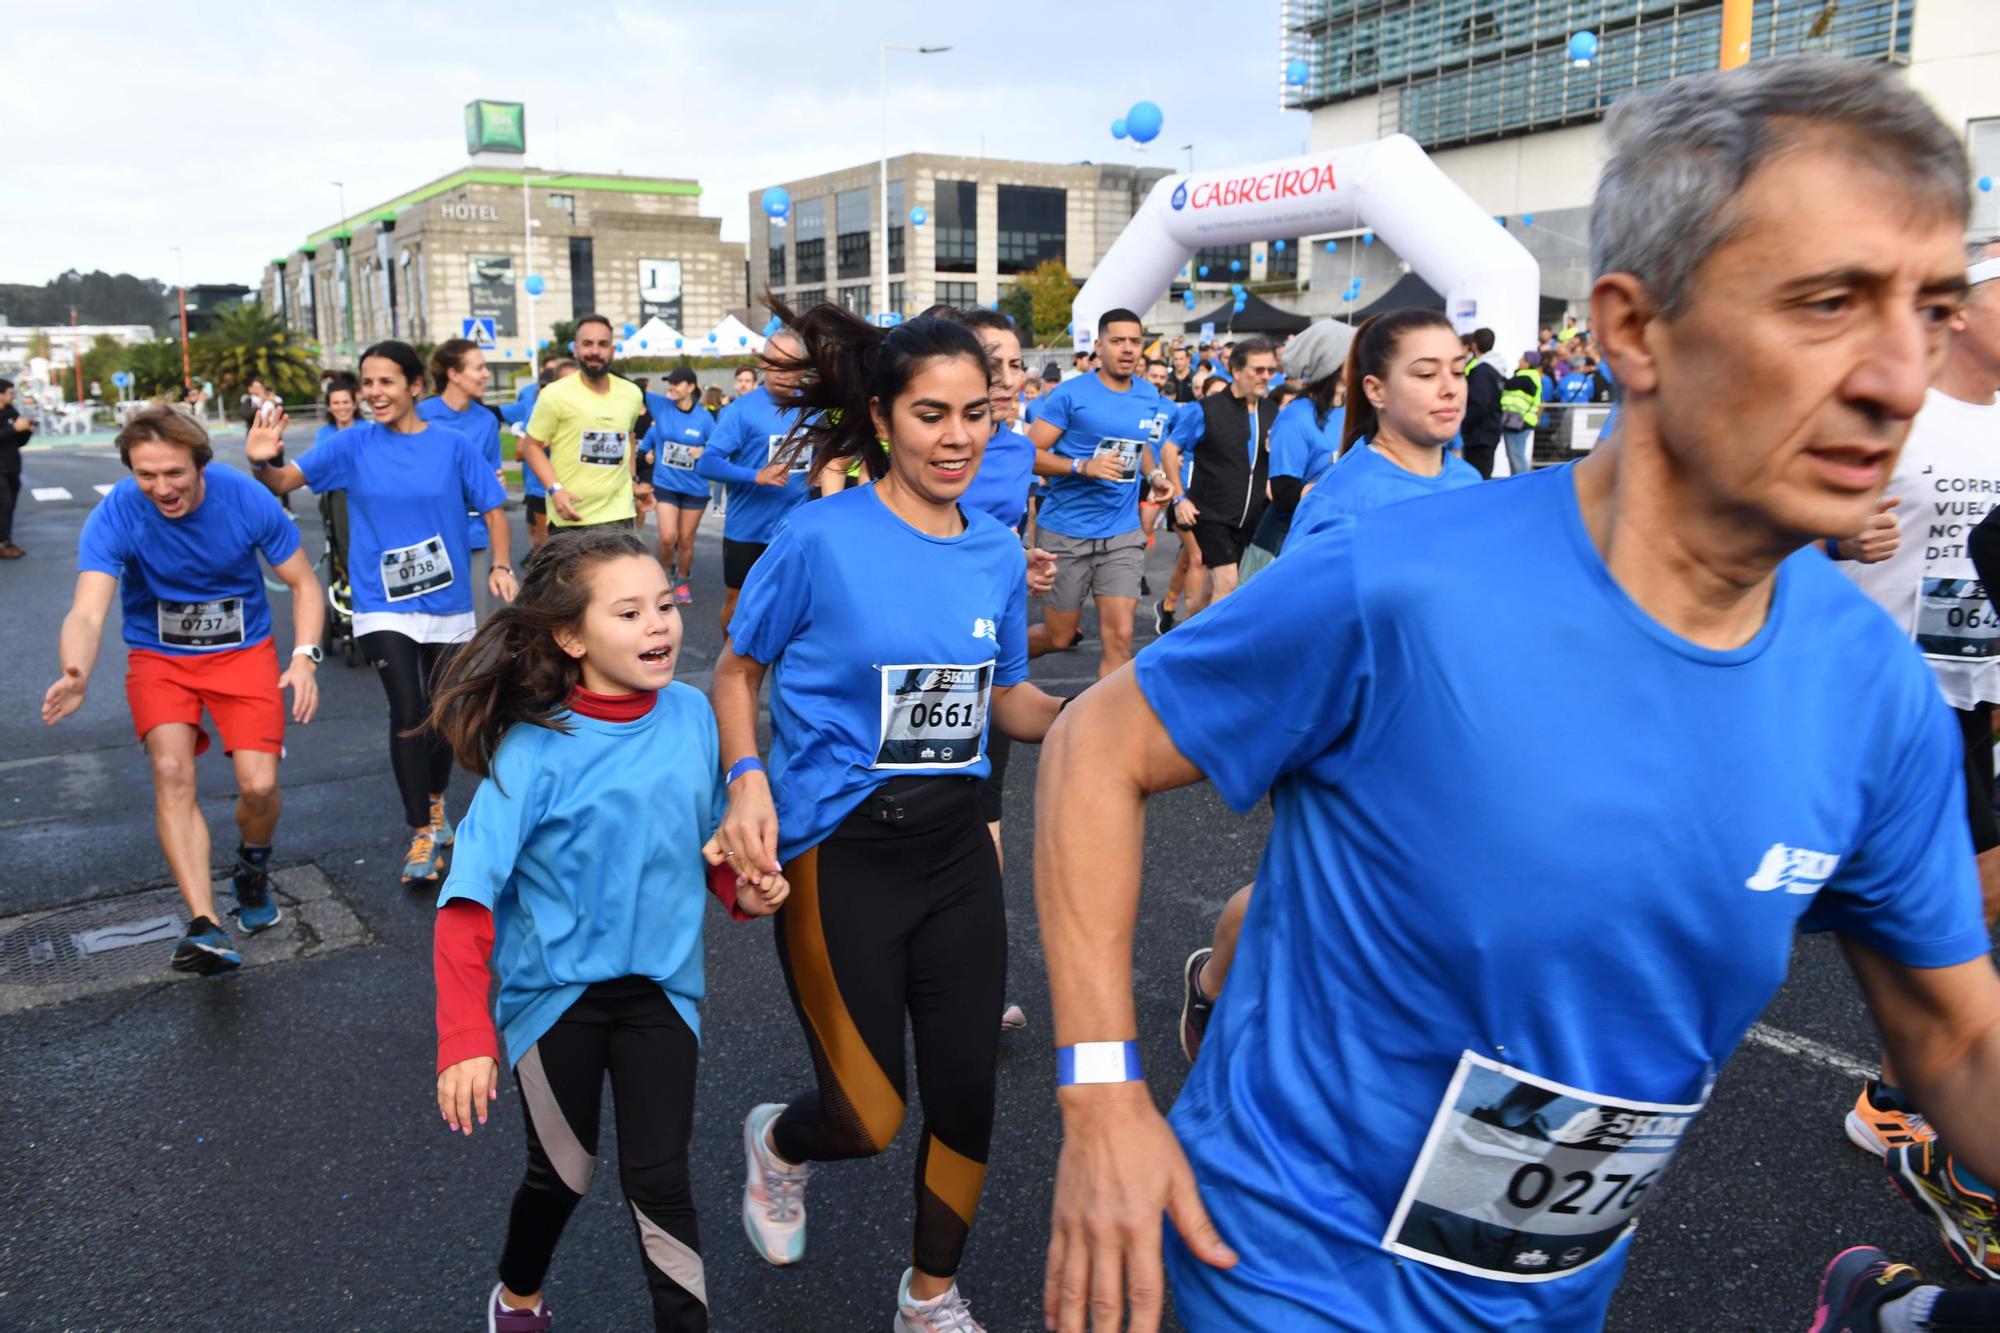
x: 1488, y: 279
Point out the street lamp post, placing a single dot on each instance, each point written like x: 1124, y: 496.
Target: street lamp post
x: 528, y: 253
x: 180, y: 283
x: 887, y: 47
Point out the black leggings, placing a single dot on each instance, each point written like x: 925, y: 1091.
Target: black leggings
x: 422, y: 761
x: 885, y: 920
x: 630, y: 1029
x: 10, y: 492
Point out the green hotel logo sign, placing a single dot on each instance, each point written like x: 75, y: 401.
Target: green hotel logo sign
x: 495, y: 127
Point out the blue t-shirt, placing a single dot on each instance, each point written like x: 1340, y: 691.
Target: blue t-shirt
x: 1409, y: 970
x: 1185, y: 432
x: 748, y: 435
x: 1092, y: 417
x: 1300, y: 446
x: 580, y: 890
x: 866, y: 686
x: 517, y: 413
x: 407, y: 497
x: 672, y: 435
x: 326, y: 431
x: 191, y: 585
x: 1361, y: 479
x: 1575, y: 387
x: 1611, y: 417
x: 478, y: 424
x: 1006, y: 471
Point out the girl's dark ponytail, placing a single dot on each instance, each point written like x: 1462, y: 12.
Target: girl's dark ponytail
x: 512, y: 670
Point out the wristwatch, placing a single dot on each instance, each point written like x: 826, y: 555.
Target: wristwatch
x: 311, y: 652
x: 555, y: 486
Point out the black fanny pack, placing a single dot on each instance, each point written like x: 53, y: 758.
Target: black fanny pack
x: 910, y: 801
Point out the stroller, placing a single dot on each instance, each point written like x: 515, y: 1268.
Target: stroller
x: 338, y: 634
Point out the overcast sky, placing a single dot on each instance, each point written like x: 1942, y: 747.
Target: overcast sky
x: 122, y: 148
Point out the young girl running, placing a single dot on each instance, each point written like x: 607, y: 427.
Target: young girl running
x: 565, y: 704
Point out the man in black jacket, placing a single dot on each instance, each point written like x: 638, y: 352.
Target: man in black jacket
x: 1231, y: 444
x: 1481, y: 430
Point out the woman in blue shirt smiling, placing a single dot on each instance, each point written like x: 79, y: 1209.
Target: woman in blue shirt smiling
x: 881, y: 696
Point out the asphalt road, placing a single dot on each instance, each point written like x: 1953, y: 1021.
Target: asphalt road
x: 263, y: 1152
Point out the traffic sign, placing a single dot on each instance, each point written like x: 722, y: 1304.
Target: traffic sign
x: 122, y: 378
x: 480, y: 331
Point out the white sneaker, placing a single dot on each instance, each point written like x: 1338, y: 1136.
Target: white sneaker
x: 774, y: 1193
x: 1012, y: 1019
x: 943, y: 1314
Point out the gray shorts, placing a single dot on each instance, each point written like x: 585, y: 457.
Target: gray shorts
x: 1093, y: 567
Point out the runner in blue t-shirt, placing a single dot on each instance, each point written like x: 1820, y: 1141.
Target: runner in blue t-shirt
x: 1097, y: 435
x: 178, y: 543
x: 1307, y: 435
x: 679, y: 435
x: 591, y: 922
x: 881, y: 708
x: 459, y: 376
x: 767, y: 479
x: 409, y: 483
x: 1457, y: 1053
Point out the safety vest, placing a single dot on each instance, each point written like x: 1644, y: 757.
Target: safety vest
x: 1529, y: 405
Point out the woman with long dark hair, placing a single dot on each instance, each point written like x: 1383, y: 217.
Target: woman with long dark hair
x: 409, y: 483
x: 459, y: 376
x: 880, y: 719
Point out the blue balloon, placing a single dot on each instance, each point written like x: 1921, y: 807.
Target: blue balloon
x: 918, y: 217
x: 772, y: 325
x: 777, y: 202
x: 1235, y: 266
x: 618, y: 348
x: 572, y: 347
x: 1333, y: 247
x: 1986, y: 185
x: 677, y: 342
x: 742, y: 341
x: 1118, y: 128
x: 631, y: 329
x: 1187, y: 298
x: 1143, y: 122
x: 1279, y: 246
x: 1203, y: 270
x: 1527, y: 219
x: 1499, y: 219
x: 1368, y: 238
x: 534, y: 284
x: 643, y: 343
x: 711, y: 337
x: 1296, y: 71
x: 1583, y: 48
x: 509, y: 354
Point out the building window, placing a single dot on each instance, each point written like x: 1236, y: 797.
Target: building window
x: 582, y: 277
x: 566, y: 205
x: 856, y: 299
x: 896, y: 219
x: 896, y: 298
x: 806, y: 298
x: 964, y: 295
x: 1281, y: 264
x: 811, y: 256
x: 1218, y: 258
x: 850, y: 215
x: 1034, y: 226
x: 956, y: 217
x: 777, y: 278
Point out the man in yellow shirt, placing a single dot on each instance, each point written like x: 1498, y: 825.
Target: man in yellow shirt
x: 580, y: 441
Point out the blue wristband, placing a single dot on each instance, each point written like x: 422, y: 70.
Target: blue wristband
x: 1098, y: 1062
x: 749, y: 763
x: 1833, y: 547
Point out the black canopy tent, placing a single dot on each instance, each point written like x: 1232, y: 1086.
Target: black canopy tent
x: 1412, y: 292
x: 1257, y: 316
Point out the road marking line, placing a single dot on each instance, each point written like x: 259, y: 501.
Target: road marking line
x: 1791, y: 1043
x: 105, y: 487
x: 51, y: 493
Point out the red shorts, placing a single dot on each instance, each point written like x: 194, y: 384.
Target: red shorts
x: 238, y: 687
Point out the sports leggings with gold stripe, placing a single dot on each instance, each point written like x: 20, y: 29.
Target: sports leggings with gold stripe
x: 886, y: 920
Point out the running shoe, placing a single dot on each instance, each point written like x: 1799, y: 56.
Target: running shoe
x: 205, y: 949
x: 1855, y: 1287
x: 420, y: 863
x: 441, y: 823
x: 1195, y: 1007
x: 1878, y: 1122
x: 1163, y: 617
x: 683, y: 597
x: 254, y: 910
x: 774, y: 1193
x: 1960, y: 1204
x: 941, y: 1314
x: 9, y: 551
x: 1013, y: 1019
x: 504, y: 1318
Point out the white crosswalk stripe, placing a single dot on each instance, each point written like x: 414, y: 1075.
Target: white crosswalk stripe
x: 105, y: 487
x: 51, y: 493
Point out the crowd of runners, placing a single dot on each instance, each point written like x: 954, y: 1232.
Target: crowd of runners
x: 1502, y: 938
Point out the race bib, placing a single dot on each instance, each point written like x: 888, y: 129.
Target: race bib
x: 604, y: 448
x: 1524, y: 1180
x: 933, y: 716
x: 800, y: 462
x: 1156, y: 427
x: 1954, y: 619
x: 412, y: 571
x: 1125, y: 451
x: 679, y: 456
x: 216, y: 624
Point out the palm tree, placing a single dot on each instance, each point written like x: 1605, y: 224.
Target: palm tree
x: 155, y: 367
x: 248, y: 340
